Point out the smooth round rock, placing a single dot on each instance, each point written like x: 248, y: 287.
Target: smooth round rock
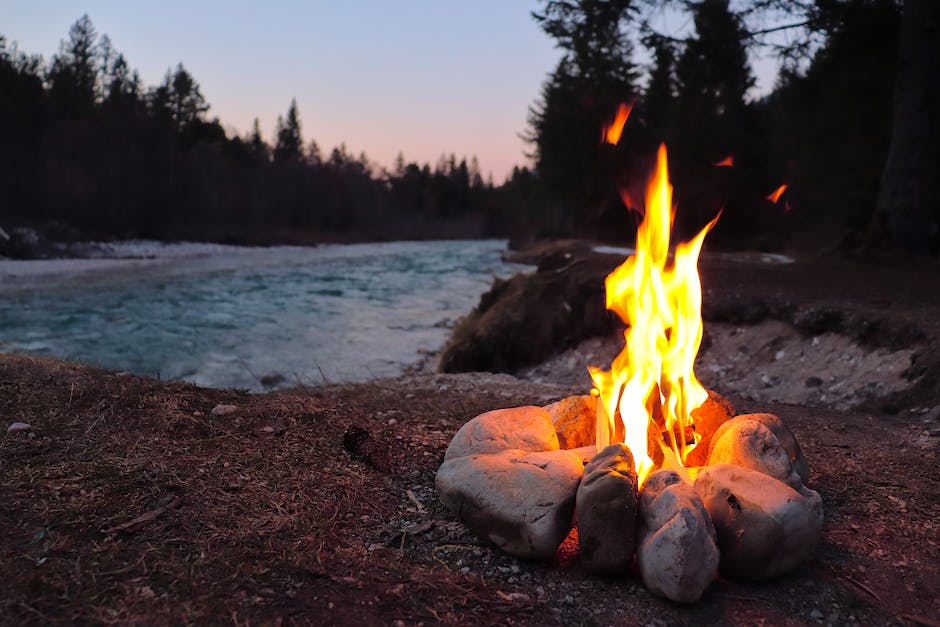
x: 523, y: 502
x: 677, y: 554
x: 606, y: 510
x: 765, y: 528
x: 575, y: 421
x: 749, y: 444
x: 516, y: 428
x: 787, y: 440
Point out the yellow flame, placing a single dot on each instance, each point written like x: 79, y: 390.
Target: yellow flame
x: 651, y: 384
x: 612, y: 133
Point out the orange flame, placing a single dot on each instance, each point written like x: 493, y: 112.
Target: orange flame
x: 651, y: 383
x: 627, y: 200
x: 727, y: 162
x: 612, y: 133
x: 774, y: 196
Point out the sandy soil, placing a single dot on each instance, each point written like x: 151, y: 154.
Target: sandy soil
x: 769, y: 362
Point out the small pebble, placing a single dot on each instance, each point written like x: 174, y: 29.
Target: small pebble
x: 19, y: 426
x: 816, y: 614
x: 223, y: 410
x: 392, y: 421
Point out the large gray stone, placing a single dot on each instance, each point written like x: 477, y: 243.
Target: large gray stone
x: 575, y: 421
x: 606, y: 510
x: 520, y: 428
x: 765, y: 527
x: 521, y: 501
x: 677, y: 554
x: 750, y: 444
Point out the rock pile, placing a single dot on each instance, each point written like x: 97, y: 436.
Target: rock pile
x: 523, y: 477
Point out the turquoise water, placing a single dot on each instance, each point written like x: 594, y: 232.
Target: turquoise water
x: 230, y: 317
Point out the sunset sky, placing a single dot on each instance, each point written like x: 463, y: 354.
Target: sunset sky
x: 423, y: 77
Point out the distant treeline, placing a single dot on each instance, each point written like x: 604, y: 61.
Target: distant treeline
x: 86, y: 150
x: 86, y: 146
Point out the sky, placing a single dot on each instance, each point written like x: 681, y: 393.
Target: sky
x: 420, y: 77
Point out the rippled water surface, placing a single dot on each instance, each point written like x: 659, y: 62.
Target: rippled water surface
x: 229, y: 317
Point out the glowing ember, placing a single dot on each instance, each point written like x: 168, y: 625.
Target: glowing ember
x: 651, y: 385
x: 774, y: 196
x: 612, y: 133
x: 727, y: 162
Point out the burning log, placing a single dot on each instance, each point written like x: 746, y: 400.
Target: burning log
x: 606, y: 510
x: 707, y: 418
x: 677, y: 554
x: 574, y: 420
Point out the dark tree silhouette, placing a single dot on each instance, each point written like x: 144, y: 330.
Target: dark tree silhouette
x: 595, y: 75
x: 73, y: 77
x: 908, y: 213
x: 289, y: 139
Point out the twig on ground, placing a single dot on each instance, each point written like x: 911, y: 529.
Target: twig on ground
x: 863, y: 587
x: 133, y: 525
x: 920, y: 620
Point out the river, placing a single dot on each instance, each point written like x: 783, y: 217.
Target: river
x: 250, y: 318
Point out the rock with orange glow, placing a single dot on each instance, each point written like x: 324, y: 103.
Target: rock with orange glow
x: 787, y: 440
x: 575, y: 420
x: 521, y: 501
x: 524, y: 428
x: 714, y: 412
x: 750, y: 444
x: 765, y: 527
x: 677, y: 554
x: 606, y: 509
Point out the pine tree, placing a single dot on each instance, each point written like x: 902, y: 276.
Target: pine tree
x: 713, y: 77
x: 259, y: 149
x: 186, y: 102
x: 595, y: 74
x: 73, y: 75
x: 659, y: 97
x: 289, y: 139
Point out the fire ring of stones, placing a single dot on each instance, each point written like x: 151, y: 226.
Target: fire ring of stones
x: 523, y: 477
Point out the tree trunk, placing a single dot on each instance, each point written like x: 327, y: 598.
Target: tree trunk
x: 907, y: 216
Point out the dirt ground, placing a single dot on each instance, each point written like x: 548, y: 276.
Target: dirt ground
x: 130, y: 502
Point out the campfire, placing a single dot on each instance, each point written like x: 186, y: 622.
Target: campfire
x: 651, y: 469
